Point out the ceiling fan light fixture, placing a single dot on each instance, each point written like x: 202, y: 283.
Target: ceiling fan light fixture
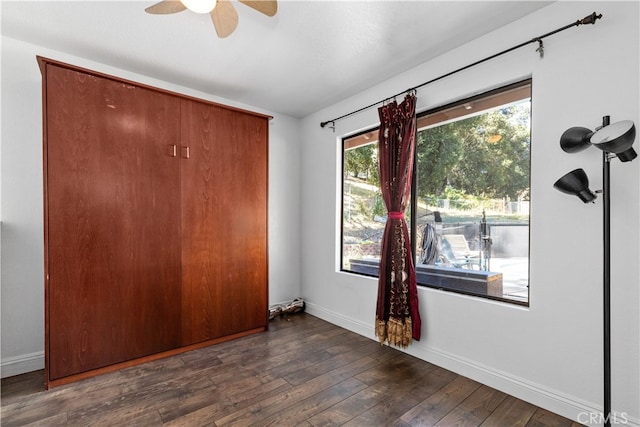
x: 222, y: 13
x: 200, y: 6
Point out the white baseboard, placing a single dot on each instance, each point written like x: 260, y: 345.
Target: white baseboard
x: 17, y: 365
x: 536, y: 394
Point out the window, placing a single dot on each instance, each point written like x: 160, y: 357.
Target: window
x: 469, y: 210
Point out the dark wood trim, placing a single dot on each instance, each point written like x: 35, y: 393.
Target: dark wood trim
x: 45, y: 218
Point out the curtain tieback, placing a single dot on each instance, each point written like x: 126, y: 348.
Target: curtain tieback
x: 396, y: 215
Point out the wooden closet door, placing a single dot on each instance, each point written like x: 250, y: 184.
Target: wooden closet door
x: 112, y: 222
x: 224, y: 190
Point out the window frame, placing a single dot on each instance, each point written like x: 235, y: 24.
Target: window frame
x: 368, y: 133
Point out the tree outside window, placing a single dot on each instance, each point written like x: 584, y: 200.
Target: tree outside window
x: 469, y: 211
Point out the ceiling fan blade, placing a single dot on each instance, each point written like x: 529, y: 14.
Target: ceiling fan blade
x: 225, y: 18
x: 166, y: 7
x: 268, y: 7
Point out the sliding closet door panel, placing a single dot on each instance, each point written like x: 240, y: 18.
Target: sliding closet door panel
x: 248, y: 227
x: 224, y: 188
x: 113, y: 230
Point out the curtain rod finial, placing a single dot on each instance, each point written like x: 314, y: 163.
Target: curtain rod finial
x: 591, y: 19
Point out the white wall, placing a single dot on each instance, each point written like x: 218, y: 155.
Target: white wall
x: 551, y: 352
x: 22, y: 287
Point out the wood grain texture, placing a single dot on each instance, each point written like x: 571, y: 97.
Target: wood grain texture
x: 145, y: 190
x: 113, y: 222
x: 224, y: 187
x: 270, y: 379
x: 43, y: 62
x: 150, y: 358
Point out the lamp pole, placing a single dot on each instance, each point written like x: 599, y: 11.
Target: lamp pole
x: 606, y: 283
x: 615, y: 141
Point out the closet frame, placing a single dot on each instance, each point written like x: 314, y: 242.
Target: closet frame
x: 214, y: 131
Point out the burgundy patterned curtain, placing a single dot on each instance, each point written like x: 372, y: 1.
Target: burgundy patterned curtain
x: 397, y: 315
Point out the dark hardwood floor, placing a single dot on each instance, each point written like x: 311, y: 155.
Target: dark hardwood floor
x: 302, y: 372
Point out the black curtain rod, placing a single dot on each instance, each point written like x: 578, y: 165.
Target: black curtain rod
x: 590, y: 19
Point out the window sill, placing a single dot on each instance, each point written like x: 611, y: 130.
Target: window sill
x: 485, y: 284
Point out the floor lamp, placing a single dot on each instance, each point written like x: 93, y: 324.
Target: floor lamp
x: 615, y: 140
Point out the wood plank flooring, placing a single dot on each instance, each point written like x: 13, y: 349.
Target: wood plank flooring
x: 302, y: 372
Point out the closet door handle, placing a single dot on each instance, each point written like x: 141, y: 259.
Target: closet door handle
x: 173, y: 149
x: 186, y: 152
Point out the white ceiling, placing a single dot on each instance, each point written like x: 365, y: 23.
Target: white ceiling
x: 309, y: 56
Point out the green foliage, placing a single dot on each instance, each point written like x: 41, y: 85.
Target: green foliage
x: 379, y: 208
x: 469, y: 161
x: 362, y: 162
x: 436, y: 143
x: 485, y: 155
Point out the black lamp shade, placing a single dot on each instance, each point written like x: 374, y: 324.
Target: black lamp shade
x: 575, y: 139
x: 618, y: 139
x: 627, y: 156
x: 576, y: 183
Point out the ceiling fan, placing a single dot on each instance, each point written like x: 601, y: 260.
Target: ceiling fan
x: 223, y: 14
